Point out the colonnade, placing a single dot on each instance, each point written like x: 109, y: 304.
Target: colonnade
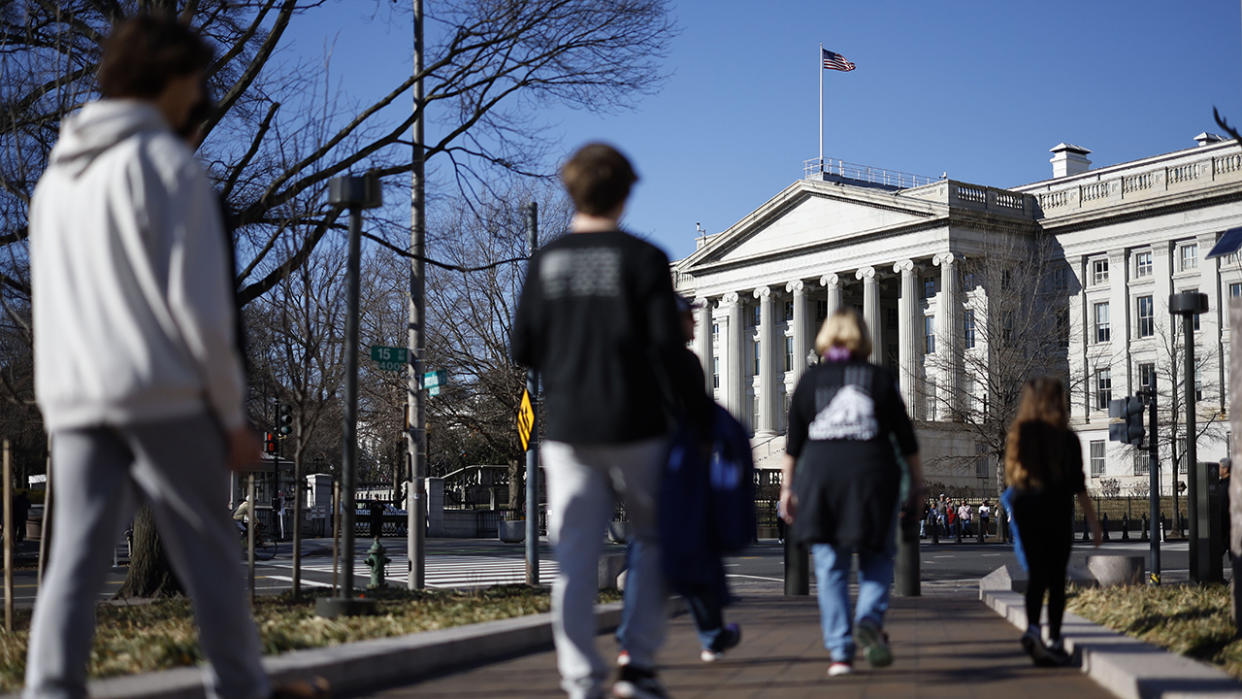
x: 736, y: 325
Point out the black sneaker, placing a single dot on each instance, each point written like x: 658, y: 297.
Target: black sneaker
x: 1034, y: 647
x: 638, y: 683
x: 729, y: 637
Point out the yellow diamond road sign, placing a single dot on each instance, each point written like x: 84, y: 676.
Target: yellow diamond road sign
x: 525, y: 420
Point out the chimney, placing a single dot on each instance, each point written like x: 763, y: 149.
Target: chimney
x: 1207, y: 139
x: 1069, y: 160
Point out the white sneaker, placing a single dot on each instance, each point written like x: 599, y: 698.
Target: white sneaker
x: 838, y: 668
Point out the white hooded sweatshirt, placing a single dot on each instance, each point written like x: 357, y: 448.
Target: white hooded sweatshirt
x: 133, y: 311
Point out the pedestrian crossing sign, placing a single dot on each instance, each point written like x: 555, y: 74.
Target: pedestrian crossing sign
x: 525, y: 420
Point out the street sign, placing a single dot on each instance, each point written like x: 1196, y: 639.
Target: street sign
x: 390, y: 358
x: 433, y: 380
x: 525, y: 420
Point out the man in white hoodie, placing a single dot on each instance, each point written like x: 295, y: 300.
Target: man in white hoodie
x: 136, y: 367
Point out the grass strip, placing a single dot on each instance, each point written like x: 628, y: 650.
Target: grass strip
x: 1191, y: 620
x: 149, y: 635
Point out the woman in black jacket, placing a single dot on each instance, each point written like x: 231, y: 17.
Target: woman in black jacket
x: 840, y: 484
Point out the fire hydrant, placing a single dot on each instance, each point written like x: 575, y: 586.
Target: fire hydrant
x: 377, y: 560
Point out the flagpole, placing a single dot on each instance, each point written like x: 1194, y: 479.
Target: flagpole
x: 819, y: 63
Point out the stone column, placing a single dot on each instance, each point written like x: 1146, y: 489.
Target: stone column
x: 734, y: 357
x: 768, y: 394
x: 703, y: 339
x: 908, y: 330
x: 800, y: 333
x: 950, y: 331
x: 832, y: 283
x: 871, y: 311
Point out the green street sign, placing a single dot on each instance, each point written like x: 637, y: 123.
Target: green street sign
x: 433, y: 380
x: 390, y: 358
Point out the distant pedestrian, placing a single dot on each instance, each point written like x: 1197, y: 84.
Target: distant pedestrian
x: 21, y: 511
x: 840, y: 484
x: 966, y: 514
x: 597, y: 317
x: 278, y: 506
x: 125, y: 232
x: 1043, y: 467
x: 376, y: 511
x: 985, y: 516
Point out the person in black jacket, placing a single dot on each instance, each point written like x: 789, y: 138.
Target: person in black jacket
x: 597, y: 318
x: 840, y: 484
x: 1043, y: 466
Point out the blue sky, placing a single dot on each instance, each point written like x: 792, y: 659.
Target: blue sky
x: 978, y: 89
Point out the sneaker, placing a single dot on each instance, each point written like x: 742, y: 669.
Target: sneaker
x: 635, y: 682
x: 840, y: 667
x: 316, y: 688
x: 874, y: 643
x: 729, y: 637
x: 623, y: 658
x: 1034, y: 647
x: 1056, y: 651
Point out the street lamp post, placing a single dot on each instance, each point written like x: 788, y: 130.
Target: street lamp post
x: 1189, y: 304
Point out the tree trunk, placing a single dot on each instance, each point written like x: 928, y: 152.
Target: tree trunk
x: 150, y: 574
x: 516, y: 491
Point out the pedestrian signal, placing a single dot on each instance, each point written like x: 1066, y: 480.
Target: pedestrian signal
x: 269, y: 443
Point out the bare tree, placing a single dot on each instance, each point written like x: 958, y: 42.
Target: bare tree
x: 1016, y: 326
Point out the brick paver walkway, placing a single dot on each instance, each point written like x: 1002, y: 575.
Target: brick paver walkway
x: 946, y: 645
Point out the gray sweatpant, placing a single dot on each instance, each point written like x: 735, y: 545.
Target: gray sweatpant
x: 177, y: 465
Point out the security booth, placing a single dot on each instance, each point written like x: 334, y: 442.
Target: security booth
x: 271, y: 476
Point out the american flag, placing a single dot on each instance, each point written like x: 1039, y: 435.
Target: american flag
x: 835, y: 61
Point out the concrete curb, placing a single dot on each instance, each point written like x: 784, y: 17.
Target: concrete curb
x: 359, y: 666
x: 1127, y: 667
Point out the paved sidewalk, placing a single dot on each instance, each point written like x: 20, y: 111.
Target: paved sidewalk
x: 946, y: 645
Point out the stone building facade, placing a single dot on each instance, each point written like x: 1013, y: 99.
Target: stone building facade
x: 969, y: 288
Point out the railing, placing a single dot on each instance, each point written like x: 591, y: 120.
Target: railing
x: 815, y: 167
x: 1149, y: 183
x: 977, y: 195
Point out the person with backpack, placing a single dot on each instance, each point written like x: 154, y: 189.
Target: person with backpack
x: 1043, y: 467
x: 840, y: 484
x: 691, y: 554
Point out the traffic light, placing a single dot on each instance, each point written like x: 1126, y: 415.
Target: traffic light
x: 284, y: 422
x: 269, y: 442
x: 1126, y: 420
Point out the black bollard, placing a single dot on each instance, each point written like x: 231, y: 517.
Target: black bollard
x: 1104, y: 525
x: 1164, y: 527
x: 1086, y: 530
x: 1125, y: 527
x: 797, y: 567
x: 906, y: 574
x: 1145, y: 527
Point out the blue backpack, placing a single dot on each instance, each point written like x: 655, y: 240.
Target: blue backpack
x: 707, y: 502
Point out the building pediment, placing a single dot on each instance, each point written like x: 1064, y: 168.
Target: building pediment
x: 809, y: 214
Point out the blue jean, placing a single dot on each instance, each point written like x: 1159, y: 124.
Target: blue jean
x: 875, y: 578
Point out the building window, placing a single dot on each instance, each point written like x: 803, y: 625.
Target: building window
x: 1097, y: 458
x: 929, y: 334
x: 1142, y: 264
x: 1188, y: 257
x: 1145, y: 372
x: 968, y: 324
x: 1142, y: 460
x: 788, y: 311
x: 754, y: 411
x: 981, y: 460
x: 1198, y: 385
x: 1007, y: 328
x: 755, y: 313
x: 931, y: 399
x: 1006, y: 279
x: 715, y: 372
x: 1235, y: 290
x: 968, y: 281
x: 1103, y: 388
x: 1102, y: 328
x: 789, y: 364
x: 930, y: 287
x: 756, y: 355
x: 1063, y: 327
x: 821, y: 311
x: 1060, y: 278
x: 1099, y: 272
x: 1146, y: 317
x: 715, y: 331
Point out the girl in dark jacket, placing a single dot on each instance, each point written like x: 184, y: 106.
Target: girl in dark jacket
x: 1043, y: 467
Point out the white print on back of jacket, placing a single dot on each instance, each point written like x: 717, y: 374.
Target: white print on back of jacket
x: 849, y: 415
